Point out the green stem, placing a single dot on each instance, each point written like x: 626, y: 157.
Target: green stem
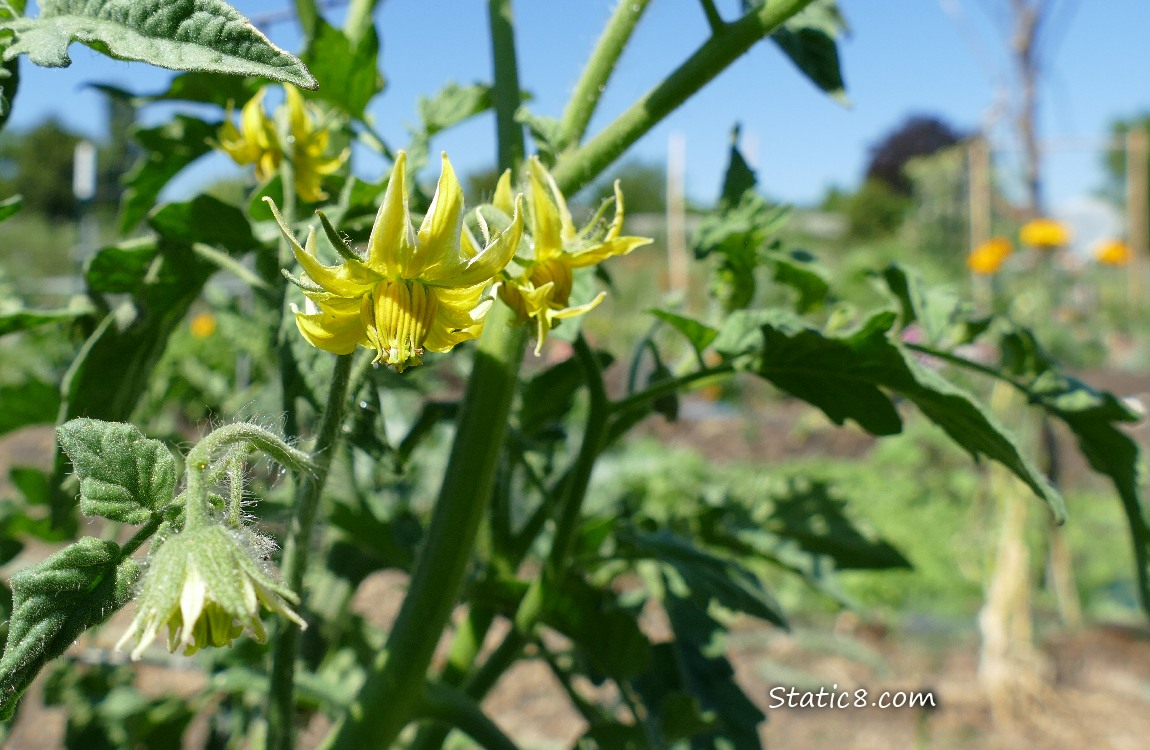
x: 391, y: 694
x: 575, y: 489
x: 713, y: 18
x: 359, y: 19
x: 667, y: 387
x: 456, y: 708
x: 576, y: 169
x: 507, y: 94
x: 281, y: 700
x: 585, y: 98
x: 954, y: 359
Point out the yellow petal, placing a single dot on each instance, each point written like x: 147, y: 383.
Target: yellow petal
x: 503, y: 200
x: 547, y: 227
x: 392, y: 241
x: 338, y: 334
x: 438, y: 257
x: 485, y: 265
x: 601, y: 252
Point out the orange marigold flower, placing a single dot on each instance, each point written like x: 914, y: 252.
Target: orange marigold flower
x: 986, y: 259
x: 1045, y: 234
x: 1113, y: 253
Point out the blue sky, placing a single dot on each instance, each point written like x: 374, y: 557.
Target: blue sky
x: 902, y: 57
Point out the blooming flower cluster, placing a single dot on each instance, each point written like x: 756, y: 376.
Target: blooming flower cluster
x: 987, y: 258
x: 414, y: 290
x: 541, y: 289
x: 257, y: 142
x: 1045, y: 234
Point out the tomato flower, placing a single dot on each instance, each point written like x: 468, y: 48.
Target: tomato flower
x: 257, y: 142
x: 207, y: 585
x: 414, y: 290
x: 541, y: 291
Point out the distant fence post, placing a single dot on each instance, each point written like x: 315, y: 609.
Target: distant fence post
x: 978, y: 193
x: 677, y: 263
x: 1137, y: 203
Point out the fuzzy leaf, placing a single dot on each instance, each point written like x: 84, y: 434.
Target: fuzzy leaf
x: 54, y: 602
x: 123, y: 475
x: 30, y: 402
x: 700, y: 335
x: 200, y: 35
x: 808, y: 39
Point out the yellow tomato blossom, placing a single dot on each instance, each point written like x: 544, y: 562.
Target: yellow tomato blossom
x: 257, y: 142
x: 987, y: 258
x: 414, y: 290
x: 309, y: 146
x: 1113, y: 253
x: 1045, y: 234
x: 541, y: 291
x: 207, y: 585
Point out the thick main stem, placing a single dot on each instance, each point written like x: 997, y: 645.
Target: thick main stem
x: 392, y: 692
x: 575, y: 169
x: 281, y: 701
x: 507, y: 94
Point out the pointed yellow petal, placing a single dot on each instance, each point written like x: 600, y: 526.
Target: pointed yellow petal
x: 503, y: 200
x: 567, y: 230
x: 392, y: 241
x: 482, y: 268
x: 601, y: 252
x: 547, y: 229
x: 437, y: 258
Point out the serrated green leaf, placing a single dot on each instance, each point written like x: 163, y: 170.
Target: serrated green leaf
x: 811, y: 517
x: 120, y: 269
x: 200, y: 35
x: 205, y: 219
x: 30, y: 402
x: 548, y: 396
x: 801, y: 273
x: 945, y: 319
x: 808, y: 39
x: 124, y: 476
x: 844, y: 376
x: 708, y: 576
x: 348, y: 74
x: 699, y: 334
x: 54, y: 602
x: 10, y: 71
x: 1094, y: 418
x: 608, y: 634
x: 168, y: 149
x: 452, y: 105
x: 203, y: 88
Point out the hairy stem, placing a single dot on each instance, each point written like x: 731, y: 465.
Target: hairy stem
x: 507, y: 93
x: 585, y: 98
x: 577, y: 168
x: 281, y: 701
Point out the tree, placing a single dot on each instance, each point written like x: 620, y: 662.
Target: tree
x: 919, y: 135
x: 39, y: 167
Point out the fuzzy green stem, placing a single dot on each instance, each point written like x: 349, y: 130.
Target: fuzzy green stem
x: 577, y: 168
x: 667, y: 387
x: 391, y: 694
x: 281, y: 700
x: 585, y: 98
x: 713, y: 18
x: 360, y: 17
x: 507, y: 94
